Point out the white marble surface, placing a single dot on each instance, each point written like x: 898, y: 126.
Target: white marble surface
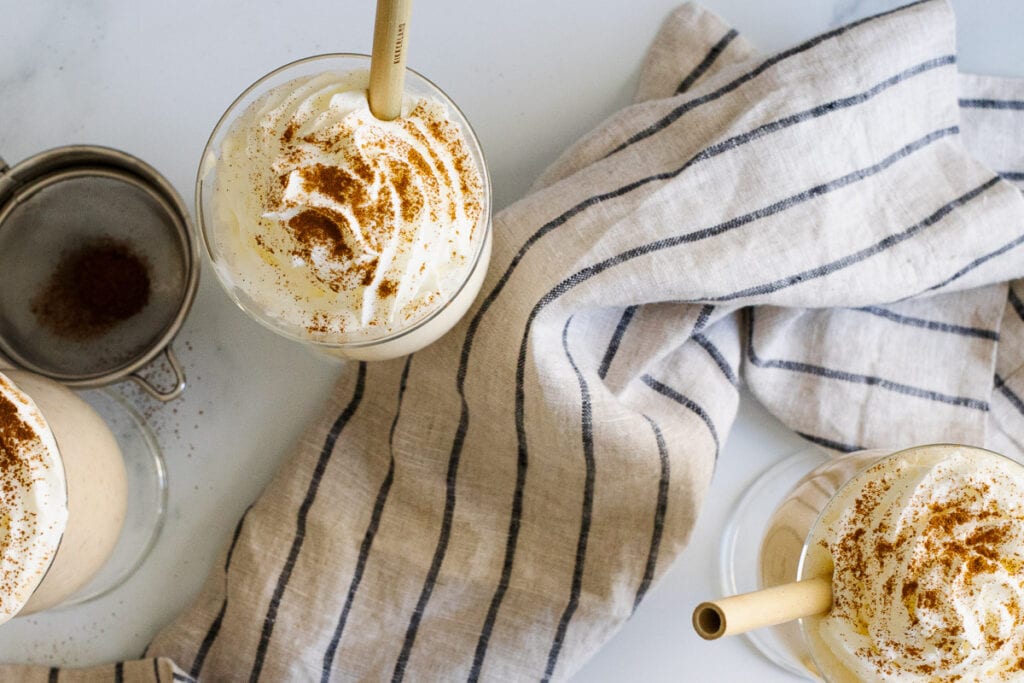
x: 532, y: 75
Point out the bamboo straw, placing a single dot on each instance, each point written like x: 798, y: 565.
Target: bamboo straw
x: 387, y: 62
x: 767, y: 607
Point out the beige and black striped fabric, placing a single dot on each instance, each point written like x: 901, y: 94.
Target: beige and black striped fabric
x: 835, y: 225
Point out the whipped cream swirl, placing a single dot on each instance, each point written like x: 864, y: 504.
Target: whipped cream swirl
x: 341, y: 225
x: 33, y: 498
x: 928, y: 580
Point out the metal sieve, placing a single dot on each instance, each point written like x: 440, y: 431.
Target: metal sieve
x: 69, y: 197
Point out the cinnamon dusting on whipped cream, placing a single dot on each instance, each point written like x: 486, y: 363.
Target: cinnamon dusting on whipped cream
x: 928, y: 578
x: 341, y: 224
x: 33, y: 502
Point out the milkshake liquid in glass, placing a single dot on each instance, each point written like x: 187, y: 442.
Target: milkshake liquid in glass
x: 63, y: 493
x: 368, y: 238
x: 925, y: 548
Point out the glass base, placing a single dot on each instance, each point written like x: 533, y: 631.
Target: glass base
x: 739, y: 559
x: 147, y: 494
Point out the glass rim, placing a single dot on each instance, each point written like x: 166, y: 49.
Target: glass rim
x: 485, y: 221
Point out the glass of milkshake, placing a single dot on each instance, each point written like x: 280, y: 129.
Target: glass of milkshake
x: 925, y: 550
x: 63, y: 494
x: 366, y: 238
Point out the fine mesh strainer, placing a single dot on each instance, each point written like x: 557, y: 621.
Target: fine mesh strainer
x: 65, y: 199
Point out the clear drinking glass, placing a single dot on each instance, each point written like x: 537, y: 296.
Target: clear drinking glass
x: 767, y: 541
x: 410, y: 337
x: 785, y: 543
x: 116, y: 490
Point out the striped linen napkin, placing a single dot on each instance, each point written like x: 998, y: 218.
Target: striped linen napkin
x: 828, y: 223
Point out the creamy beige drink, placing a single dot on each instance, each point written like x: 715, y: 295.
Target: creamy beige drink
x: 331, y: 226
x: 926, y: 553
x: 62, y: 493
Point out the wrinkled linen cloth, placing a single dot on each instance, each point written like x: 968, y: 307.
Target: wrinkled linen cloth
x: 837, y: 224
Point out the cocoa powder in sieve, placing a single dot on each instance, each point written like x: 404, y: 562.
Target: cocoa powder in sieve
x: 93, y: 287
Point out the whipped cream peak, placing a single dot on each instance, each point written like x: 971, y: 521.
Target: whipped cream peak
x: 33, y: 498
x: 928, y: 569
x: 339, y: 224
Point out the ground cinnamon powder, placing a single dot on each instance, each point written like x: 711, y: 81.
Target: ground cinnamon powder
x: 948, y: 552
x: 93, y: 288
x: 387, y: 188
x: 19, y: 445
x: 15, y: 438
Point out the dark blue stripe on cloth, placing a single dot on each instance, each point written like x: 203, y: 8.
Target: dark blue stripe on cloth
x: 685, y: 401
x: 856, y: 257
x: 660, y: 507
x: 214, y: 630
x: 300, y: 522
x: 702, y: 318
x: 1015, y: 176
x: 829, y: 443
x: 613, y: 345
x: 54, y: 675
x: 443, y: 538
x: 370, y: 534
x: 690, y: 105
x: 980, y: 261
x: 624, y: 322
x: 1017, y: 304
x: 934, y: 325
x: 119, y: 672
x: 474, y: 324
x: 770, y: 210
x: 211, y: 636
x: 705, y: 64
x: 844, y: 376
x: 982, y: 103
x: 717, y: 356
x: 587, y: 438
x: 1011, y: 396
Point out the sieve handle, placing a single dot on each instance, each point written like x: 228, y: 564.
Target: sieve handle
x: 179, y: 377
